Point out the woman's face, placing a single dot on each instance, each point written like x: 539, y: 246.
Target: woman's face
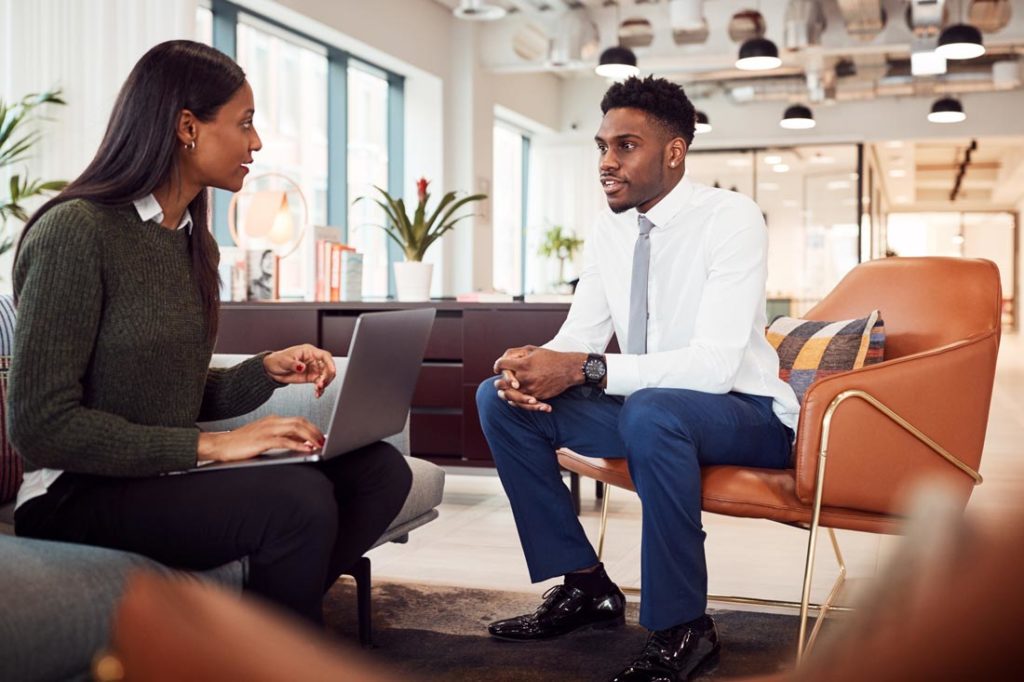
x: 224, y: 145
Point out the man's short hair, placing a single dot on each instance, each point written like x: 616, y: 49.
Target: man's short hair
x: 664, y: 101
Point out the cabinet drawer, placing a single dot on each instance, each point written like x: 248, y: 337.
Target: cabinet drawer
x: 251, y: 330
x: 445, y: 342
x: 435, y: 434
x: 439, y: 385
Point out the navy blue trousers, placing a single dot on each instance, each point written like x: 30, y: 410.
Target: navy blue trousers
x: 666, y: 435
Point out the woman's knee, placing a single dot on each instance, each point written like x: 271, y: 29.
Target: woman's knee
x: 302, y: 497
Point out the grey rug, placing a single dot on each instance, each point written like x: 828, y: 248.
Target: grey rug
x: 439, y: 633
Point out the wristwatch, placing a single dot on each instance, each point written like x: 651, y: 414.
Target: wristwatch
x: 594, y: 369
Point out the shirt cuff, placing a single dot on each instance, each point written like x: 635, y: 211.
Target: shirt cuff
x: 623, y: 374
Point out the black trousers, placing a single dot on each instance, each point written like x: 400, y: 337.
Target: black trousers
x: 300, y: 525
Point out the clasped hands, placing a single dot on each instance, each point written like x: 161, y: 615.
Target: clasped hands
x: 530, y: 375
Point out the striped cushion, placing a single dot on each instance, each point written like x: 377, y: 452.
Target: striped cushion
x: 810, y: 349
x: 10, y: 463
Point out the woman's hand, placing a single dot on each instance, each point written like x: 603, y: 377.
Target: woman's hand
x: 303, y: 364
x: 291, y: 433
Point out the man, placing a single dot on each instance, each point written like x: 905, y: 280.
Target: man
x: 676, y: 271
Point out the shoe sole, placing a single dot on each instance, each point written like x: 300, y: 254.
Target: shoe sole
x: 603, y: 625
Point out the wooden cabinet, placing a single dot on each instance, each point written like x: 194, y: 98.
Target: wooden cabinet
x: 464, y: 342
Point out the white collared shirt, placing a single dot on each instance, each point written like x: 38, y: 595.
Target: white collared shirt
x: 149, y: 209
x: 705, y: 299
x: 36, y: 483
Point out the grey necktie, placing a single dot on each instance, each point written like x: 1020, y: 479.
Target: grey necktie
x: 637, y: 334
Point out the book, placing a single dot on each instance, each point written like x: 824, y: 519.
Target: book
x: 485, y: 297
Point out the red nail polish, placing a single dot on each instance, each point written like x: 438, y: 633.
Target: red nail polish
x: 299, y: 368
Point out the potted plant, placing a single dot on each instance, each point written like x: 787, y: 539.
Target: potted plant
x: 415, y: 234
x: 15, y: 145
x: 561, y: 245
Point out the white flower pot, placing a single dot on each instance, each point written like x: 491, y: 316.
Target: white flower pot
x: 412, y: 280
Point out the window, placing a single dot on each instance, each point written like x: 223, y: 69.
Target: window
x: 368, y: 166
x: 204, y: 25
x: 289, y: 81
x: 507, y: 201
x: 335, y: 141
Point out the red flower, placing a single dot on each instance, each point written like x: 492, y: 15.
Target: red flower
x: 421, y: 189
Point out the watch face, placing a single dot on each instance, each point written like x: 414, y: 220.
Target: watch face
x: 594, y: 369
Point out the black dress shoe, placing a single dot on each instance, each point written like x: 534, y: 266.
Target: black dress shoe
x: 564, y: 609
x: 675, y: 655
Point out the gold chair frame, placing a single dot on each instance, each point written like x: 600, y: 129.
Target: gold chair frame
x: 804, y: 643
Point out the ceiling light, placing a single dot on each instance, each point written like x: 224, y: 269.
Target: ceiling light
x: 478, y: 10
x: 618, y: 63
x: 772, y: 159
x: 780, y: 168
x: 758, y: 54
x: 927, y: 64
x: 897, y: 173
x: 797, y: 117
x: 703, y: 124
x: 947, y: 110
x: 960, y: 41
x: 768, y: 186
x: 894, y: 144
x: 838, y: 184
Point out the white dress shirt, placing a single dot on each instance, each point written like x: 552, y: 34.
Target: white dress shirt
x: 36, y: 483
x: 705, y: 299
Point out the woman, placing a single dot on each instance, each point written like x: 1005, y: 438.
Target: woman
x: 117, y: 289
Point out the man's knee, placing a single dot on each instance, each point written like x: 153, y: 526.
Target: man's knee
x: 488, y: 404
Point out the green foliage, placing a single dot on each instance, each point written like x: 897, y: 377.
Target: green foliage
x: 416, y: 234
x: 560, y: 245
x: 15, y: 146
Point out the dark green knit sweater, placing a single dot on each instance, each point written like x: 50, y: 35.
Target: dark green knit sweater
x: 110, y: 370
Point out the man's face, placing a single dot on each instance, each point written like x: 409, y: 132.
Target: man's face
x: 639, y: 162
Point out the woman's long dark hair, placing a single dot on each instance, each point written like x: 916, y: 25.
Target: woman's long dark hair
x: 140, y: 148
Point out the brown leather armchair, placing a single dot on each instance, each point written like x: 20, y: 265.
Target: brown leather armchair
x: 921, y: 413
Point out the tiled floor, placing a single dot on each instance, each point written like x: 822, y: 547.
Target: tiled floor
x: 474, y: 542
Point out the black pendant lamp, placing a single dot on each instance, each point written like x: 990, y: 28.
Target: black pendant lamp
x: 797, y: 117
x: 947, y: 110
x: 703, y: 125
x: 617, y: 62
x: 960, y: 41
x: 758, y: 54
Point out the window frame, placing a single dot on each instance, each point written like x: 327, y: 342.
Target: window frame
x: 225, y: 38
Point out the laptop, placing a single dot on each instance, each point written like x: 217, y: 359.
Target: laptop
x: 373, y: 402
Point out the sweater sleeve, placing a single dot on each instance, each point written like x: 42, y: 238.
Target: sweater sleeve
x: 59, y: 280
x: 234, y: 391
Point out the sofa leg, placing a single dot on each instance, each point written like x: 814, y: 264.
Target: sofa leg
x: 360, y: 570
x: 574, y: 490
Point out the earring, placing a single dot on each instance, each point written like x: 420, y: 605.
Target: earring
x: 191, y: 146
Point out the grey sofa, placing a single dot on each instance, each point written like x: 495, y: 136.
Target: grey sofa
x: 56, y: 599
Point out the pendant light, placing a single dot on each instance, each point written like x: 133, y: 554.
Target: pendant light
x: 797, y: 117
x: 703, y: 124
x: 960, y: 41
x: 947, y: 110
x: 617, y: 62
x: 758, y: 54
